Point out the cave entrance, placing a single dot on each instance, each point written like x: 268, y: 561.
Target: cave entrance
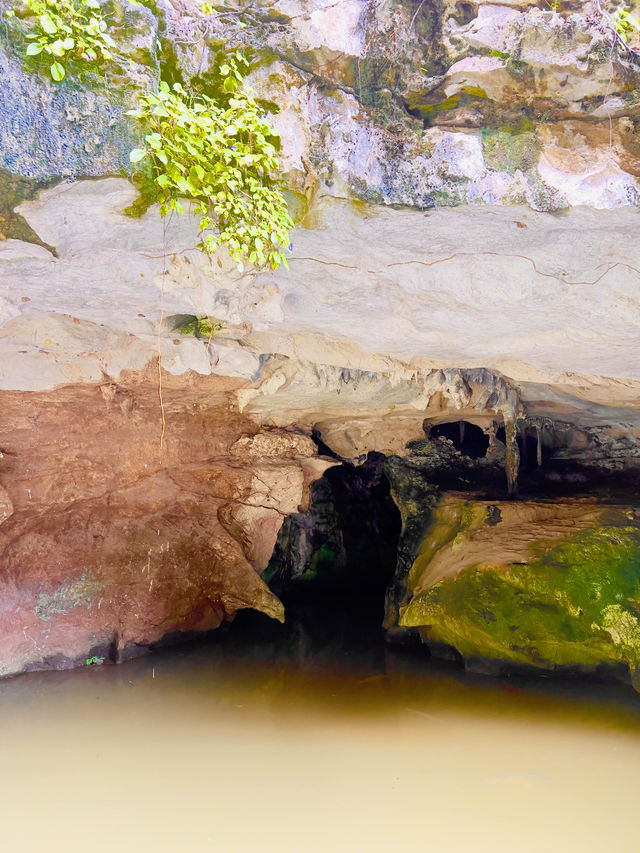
x: 468, y: 438
x: 340, y: 555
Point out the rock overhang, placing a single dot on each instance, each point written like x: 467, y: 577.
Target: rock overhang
x: 387, y: 296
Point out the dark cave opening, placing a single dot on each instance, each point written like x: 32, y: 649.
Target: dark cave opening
x: 342, y: 568
x: 382, y: 530
x: 468, y: 438
x: 343, y: 550
x: 530, y: 452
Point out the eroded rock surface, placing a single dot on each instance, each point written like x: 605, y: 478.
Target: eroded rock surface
x: 475, y: 302
x: 116, y: 542
x: 537, y: 584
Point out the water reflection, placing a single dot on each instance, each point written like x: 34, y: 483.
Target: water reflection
x: 313, y: 737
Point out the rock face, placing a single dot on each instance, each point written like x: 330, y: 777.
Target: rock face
x: 427, y: 151
x: 110, y: 541
x: 543, y: 585
x: 39, y: 118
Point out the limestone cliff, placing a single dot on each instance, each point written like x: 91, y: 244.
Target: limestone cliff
x: 464, y: 181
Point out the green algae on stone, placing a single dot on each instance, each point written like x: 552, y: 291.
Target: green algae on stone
x: 14, y: 189
x: 200, y: 327
x: 507, y: 150
x: 577, y: 604
x: 451, y: 519
x: 82, y: 592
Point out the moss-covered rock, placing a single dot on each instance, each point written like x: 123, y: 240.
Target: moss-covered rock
x: 509, y: 151
x: 575, y: 603
x: 416, y: 492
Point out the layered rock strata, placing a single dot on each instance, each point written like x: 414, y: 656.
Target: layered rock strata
x: 501, y: 312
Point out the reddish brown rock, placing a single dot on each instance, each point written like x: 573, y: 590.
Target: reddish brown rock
x: 110, y: 541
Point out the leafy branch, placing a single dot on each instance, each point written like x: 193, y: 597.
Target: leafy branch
x: 221, y: 156
x: 625, y: 23
x: 621, y: 24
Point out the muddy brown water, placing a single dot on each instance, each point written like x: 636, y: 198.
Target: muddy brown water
x: 306, y: 741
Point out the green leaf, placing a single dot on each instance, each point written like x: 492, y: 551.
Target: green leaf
x: 34, y: 49
x: 137, y: 154
x: 48, y: 25
x: 57, y: 72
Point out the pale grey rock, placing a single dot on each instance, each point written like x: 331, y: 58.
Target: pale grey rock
x: 376, y: 304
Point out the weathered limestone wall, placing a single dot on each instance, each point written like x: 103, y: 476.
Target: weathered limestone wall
x: 477, y: 300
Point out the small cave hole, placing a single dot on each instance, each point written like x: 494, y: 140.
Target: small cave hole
x: 465, y: 13
x: 528, y: 444
x: 468, y: 438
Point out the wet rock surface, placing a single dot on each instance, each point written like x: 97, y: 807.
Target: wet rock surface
x: 546, y: 585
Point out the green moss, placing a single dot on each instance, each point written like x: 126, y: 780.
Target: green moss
x: 200, y: 327
x: 297, y: 205
x: 451, y: 195
x: 323, y: 563
x: 147, y: 193
x: 475, y: 91
x: 82, y: 592
x: 509, y: 150
x: 577, y: 604
x: 14, y: 189
x: 452, y: 524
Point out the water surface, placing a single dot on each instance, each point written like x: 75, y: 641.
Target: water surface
x: 306, y: 740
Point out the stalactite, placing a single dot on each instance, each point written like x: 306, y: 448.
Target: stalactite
x: 538, y: 447
x: 512, y: 462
